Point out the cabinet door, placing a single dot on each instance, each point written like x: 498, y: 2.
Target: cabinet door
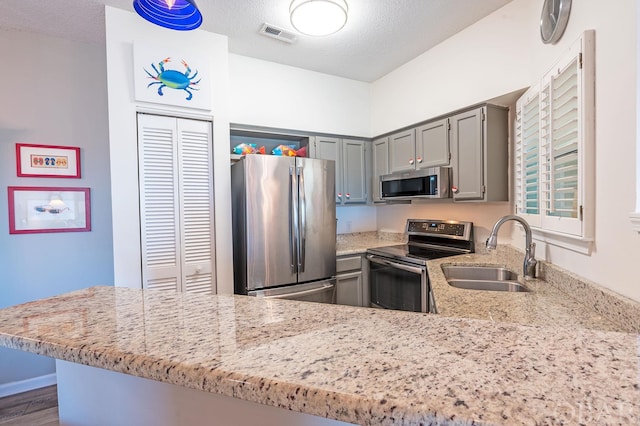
x: 380, y: 165
x: 330, y: 149
x: 467, y: 146
x: 432, y: 144
x: 402, y: 151
x: 349, y: 289
x: 354, y: 170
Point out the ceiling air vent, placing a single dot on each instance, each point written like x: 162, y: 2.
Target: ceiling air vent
x: 277, y: 33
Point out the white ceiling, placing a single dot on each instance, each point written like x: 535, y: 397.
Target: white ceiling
x: 380, y: 35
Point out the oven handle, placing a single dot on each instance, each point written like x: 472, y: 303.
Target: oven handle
x: 382, y: 261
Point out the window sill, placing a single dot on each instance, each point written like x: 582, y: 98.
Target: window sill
x: 578, y: 244
x: 635, y: 221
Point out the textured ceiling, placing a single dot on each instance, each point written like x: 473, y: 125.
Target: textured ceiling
x: 380, y: 35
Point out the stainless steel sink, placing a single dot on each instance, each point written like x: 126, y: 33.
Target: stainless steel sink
x: 488, y: 278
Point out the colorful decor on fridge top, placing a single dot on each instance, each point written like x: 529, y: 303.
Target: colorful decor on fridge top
x: 280, y: 150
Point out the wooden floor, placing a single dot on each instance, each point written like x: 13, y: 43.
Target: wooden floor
x: 38, y: 407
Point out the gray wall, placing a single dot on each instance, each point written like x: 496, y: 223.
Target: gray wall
x: 53, y: 92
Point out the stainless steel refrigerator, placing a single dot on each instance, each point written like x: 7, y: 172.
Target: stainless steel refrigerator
x: 284, y: 227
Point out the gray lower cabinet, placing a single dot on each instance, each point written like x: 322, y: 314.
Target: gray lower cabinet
x: 350, y: 156
x: 351, y: 281
x: 479, y: 154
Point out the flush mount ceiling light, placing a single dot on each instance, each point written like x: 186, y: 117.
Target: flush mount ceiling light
x: 181, y: 15
x: 318, y: 17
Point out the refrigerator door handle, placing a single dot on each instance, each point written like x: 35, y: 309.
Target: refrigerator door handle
x: 293, y: 219
x: 303, y: 222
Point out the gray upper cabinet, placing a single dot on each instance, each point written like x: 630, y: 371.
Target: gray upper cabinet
x: 479, y: 159
x: 432, y: 144
x: 380, y: 166
x: 354, y: 171
x: 328, y: 148
x: 421, y: 147
x: 402, y: 151
x: 351, y: 166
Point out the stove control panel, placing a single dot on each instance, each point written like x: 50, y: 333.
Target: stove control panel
x: 438, y: 227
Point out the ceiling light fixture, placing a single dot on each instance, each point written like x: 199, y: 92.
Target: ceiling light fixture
x: 181, y: 15
x: 318, y: 17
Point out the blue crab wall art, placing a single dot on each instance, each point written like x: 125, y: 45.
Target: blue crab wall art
x: 173, y: 79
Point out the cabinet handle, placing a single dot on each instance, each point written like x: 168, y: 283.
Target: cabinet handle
x: 411, y: 161
x: 348, y: 195
x: 419, y: 159
x: 454, y: 189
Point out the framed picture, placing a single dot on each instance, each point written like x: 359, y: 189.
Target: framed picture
x: 47, y: 161
x: 43, y: 209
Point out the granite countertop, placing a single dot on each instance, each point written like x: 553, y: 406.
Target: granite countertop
x: 558, y: 299
x: 544, y: 304
x: 359, y: 365
x: 359, y: 242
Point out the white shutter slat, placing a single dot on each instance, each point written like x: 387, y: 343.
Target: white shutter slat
x: 162, y: 284
x: 200, y: 283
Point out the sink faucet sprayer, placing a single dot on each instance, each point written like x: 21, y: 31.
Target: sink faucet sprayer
x: 529, y: 266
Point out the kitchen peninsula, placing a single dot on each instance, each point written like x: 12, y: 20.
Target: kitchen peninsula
x: 349, y: 364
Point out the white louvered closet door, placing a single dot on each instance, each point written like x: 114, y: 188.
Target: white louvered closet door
x: 176, y: 203
x: 196, y: 197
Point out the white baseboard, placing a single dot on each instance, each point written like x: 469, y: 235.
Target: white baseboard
x: 13, y: 388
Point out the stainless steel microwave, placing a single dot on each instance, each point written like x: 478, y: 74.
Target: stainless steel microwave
x: 432, y: 182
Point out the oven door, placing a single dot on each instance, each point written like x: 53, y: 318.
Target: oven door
x: 398, y: 285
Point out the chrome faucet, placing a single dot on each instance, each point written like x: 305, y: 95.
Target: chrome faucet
x: 529, y: 266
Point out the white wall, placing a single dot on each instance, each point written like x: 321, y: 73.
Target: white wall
x: 356, y: 219
x: 481, y: 62
x: 122, y: 29
x: 284, y: 97
x: 55, y: 94
x: 503, y: 52
x: 280, y: 96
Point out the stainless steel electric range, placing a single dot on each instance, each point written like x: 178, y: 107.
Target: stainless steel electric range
x: 398, y: 276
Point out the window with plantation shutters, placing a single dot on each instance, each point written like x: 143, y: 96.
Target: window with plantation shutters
x: 176, y: 203
x: 554, y: 149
